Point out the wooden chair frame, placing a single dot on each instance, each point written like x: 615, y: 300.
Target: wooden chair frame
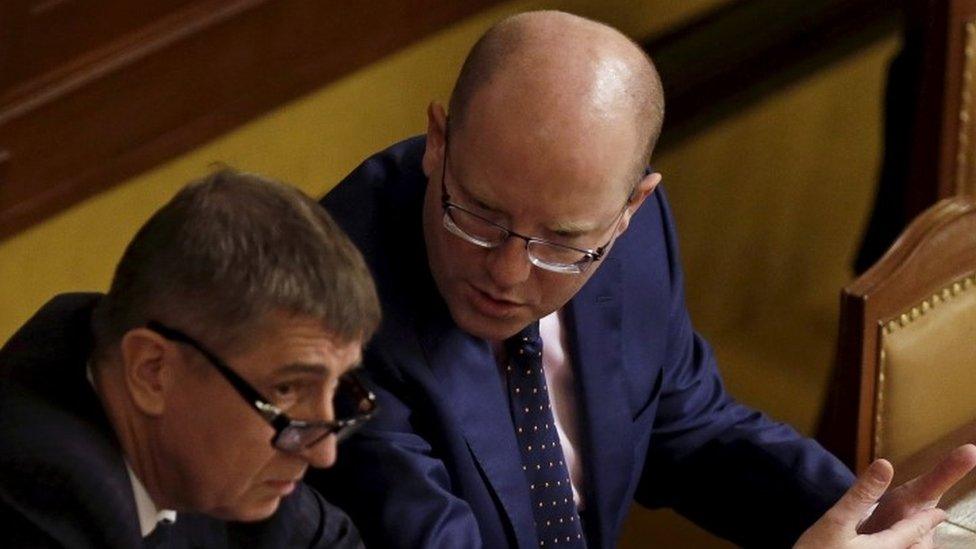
x: 936, y: 250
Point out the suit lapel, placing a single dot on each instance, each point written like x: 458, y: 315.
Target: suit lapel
x: 466, y: 368
x: 594, y: 320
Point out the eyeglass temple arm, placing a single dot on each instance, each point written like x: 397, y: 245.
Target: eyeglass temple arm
x: 268, y: 410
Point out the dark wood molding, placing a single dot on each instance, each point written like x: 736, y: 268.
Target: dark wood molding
x: 156, y: 82
x: 4, y: 162
x: 938, y: 29
x: 743, y: 51
x: 148, y: 85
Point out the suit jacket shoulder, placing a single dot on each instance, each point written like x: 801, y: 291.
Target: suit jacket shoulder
x: 62, y: 471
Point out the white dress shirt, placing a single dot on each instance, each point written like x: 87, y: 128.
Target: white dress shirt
x: 149, y: 515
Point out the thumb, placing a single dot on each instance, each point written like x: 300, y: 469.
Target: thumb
x: 866, y: 491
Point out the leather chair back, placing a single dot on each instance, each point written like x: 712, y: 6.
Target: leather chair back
x: 906, y: 359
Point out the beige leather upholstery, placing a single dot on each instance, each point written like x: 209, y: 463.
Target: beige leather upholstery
x: 927, y: 377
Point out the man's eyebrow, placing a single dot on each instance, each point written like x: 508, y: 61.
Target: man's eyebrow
x: 303, y: 368
x: 570, y: 229
x: 484, y: 205
x: 312, y: 368
x: 479, y: 202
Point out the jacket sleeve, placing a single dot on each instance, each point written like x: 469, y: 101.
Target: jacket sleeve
x: 389, y: 477
x: 19, y: 531
x: 725, y: 466
x: 393, y: 486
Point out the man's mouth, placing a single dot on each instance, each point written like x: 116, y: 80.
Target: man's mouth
x: 492, y: 305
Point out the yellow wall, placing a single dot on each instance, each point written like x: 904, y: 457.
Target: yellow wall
x: 770, y: 203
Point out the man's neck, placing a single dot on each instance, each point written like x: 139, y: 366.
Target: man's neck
x: 136, y: 448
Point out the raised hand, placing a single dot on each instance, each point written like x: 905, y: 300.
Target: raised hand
x: 921, y: 493
x: 837, y: 529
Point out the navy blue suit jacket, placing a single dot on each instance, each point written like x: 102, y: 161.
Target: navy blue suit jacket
x: 439, y: 467
x: 63, y: 481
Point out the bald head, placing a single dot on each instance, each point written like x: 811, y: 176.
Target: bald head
x: 561, y: 74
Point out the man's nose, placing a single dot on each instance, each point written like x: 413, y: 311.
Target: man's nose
x: 323, y: 453
x: 508, y: 264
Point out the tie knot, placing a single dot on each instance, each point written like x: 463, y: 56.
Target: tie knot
x: 528, y: 341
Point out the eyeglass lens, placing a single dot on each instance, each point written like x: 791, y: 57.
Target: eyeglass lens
x: 486, y: 234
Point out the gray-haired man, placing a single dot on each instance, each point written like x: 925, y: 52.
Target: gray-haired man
x: 184, y: 407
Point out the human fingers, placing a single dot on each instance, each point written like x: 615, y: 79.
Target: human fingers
x: 930, y: 486
x: 911, y: 531
x: 866, y: 491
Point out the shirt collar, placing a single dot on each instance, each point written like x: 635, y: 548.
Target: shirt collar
x: 149, y: 514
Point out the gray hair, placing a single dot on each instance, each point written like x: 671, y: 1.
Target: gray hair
x: 231, y: 249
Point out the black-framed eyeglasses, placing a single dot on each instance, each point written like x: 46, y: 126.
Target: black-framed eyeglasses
x: 482, y: 232
x: 353, y: 403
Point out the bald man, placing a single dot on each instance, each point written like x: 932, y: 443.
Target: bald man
x: 537, y: 368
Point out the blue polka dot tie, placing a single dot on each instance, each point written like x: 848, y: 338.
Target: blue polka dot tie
x: 556, y: 520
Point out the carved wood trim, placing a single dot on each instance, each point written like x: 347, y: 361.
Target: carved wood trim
x: 965, y: 180
x: 944, y: 121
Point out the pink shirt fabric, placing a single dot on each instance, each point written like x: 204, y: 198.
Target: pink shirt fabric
x: 562, y: 395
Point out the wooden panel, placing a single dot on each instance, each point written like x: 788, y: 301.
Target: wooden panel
x: 942, y: 153
x: 46, y: 35
x: 197, y: 69
x: 4, y: 158
x: 959, y: 132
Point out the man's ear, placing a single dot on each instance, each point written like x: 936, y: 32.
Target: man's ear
x: 436, y: 133
x: 641, y: 191
x: 147, y: 362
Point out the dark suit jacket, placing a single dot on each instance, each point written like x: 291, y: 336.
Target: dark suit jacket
x: 440, y: 467
x: 63, y: 481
